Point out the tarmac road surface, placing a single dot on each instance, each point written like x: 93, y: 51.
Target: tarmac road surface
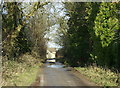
x: 56, y: 76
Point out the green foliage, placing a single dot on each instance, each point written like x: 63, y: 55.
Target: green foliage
x: 16, y: 29
x: 22, y: 45
x: 93, y: 34
x: 106, y: 23
x: 77, y: 52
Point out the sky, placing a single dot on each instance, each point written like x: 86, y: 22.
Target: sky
x: 52, y: 35
x: 53, y: 30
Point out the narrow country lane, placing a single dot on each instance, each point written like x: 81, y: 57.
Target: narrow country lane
x: 56, y: 75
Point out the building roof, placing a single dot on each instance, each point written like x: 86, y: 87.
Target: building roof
x: 52, y: 49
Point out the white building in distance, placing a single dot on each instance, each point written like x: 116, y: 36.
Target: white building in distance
x: 51, y: 53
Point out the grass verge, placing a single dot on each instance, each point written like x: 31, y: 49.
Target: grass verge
x: 25, y: 78
x: 100, y: 76
x: 22, y: 72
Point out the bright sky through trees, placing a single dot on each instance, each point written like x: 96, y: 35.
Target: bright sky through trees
x: 58, y: 12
